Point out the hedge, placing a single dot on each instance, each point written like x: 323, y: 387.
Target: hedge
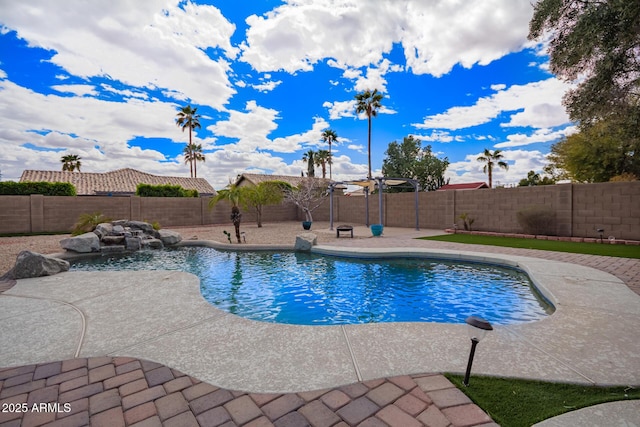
x: 45, y: 188
x: 148, y: 190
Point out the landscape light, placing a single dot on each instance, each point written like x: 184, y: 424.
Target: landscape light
x: 477, y: 328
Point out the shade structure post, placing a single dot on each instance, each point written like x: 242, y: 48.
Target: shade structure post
x: 331, y: 188
x: 380, y: 200
x: 366, y: 204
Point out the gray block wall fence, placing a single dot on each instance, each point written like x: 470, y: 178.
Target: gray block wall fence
x: 580, y: 209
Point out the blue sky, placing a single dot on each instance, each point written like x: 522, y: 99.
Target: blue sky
x: 104, y: 80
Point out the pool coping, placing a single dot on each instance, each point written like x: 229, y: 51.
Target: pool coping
x: 128, y: 314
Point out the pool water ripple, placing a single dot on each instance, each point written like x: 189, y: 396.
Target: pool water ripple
x: 309, y: 289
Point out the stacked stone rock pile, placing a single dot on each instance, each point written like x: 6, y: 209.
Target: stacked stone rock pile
x: 119, y: 236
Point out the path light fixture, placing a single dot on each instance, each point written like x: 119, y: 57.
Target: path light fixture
x: 477, y: 328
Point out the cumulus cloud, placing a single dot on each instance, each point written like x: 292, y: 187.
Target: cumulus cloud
x: 434, y: 36
x: 152, y: 44
x: 538, y: 104
x: 540, y: 135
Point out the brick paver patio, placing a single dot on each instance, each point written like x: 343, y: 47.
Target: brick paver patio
x: 123, y: 391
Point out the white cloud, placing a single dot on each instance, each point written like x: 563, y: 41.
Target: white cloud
x: 540, y: 102
x: 250, y: 128
x: 266, y: 86
x: 340, y: 109
x: 80, y: 124
x: 150, y: 44
x: 540, y: 135
x: 439, y: 136
x: 434, y: 35
x: 78, y: 90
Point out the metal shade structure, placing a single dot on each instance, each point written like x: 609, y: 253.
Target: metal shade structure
x: 369, y: 185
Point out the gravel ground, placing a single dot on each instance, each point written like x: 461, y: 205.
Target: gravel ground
x: 269, y: 233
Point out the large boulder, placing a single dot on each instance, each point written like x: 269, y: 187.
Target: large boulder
x: 169, y: 237
x: 104, y: 229
x: 31, y: 264
x: 140, y: 225
x: 305, y: 241
x: 87, y: 242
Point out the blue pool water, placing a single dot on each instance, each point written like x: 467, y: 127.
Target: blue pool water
x: 308, y: 289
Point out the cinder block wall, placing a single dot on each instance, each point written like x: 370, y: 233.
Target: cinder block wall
x: 579, y: 210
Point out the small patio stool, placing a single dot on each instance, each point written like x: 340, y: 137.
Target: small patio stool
x: 344, y: 228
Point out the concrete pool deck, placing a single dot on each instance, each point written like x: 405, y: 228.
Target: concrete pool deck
x: 161, y: 317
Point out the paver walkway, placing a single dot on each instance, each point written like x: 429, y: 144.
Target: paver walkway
x: 122, y: 391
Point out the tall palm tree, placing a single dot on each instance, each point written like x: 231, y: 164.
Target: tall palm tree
x: 309, y: 159
x: 188, y: 117
x: 368, y: 102
x: 492, y: 159
x: 193, y: 154
x: 322, y: 158
x: 329, y: 136
x: 71, y: 162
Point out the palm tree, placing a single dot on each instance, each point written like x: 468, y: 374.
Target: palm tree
x: 322, y: 158
x: 308, y: 158
x: 71, y: 162
x: 193, y: 153
x: 232, y: 194
x: 329, y: 136
x: 492, y: 159
x: 188, y: 118
x: 368, y: 102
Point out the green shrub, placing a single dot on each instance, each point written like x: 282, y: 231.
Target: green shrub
x: 148, y: 190
x: 88, y: 222
x: 45, y: 188
x: 467, y: 221
x: 537, y: 220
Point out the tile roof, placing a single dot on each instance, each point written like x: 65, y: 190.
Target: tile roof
x: 466, y: 186
x: 121, y: 181
x: 257, y: 178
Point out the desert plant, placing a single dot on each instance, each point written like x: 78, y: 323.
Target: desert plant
x: 467, y: 221
x: 537, y: 220
x: 88, y: 222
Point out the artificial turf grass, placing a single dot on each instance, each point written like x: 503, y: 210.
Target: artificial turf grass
x: 606, y: 249
x: 514, y: 403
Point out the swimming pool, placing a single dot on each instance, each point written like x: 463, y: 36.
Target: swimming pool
x: 311, y: 289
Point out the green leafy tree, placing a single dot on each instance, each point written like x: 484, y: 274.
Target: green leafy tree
x: 188, y: 118
x: 322, y: 159
x: 193, y: 154
x: 71, y: 162
x: 492, y: 160
x: 329, y: 136
x: 309, y: 159
x: 534, y: 178
x: 597, y: 41
x: 264, y: 193
x: 409, y: 160
x: 597, y: 154
x: 369, y: 102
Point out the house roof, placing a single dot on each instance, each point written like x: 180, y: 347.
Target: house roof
x: 465, y: 186
x: 257, y: 178
x: 118, y: 182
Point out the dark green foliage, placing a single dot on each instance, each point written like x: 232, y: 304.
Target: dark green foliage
x: 409, y: 160
x: 596, y: 40
x: 45, y: 188
x: 537, y: 220
x: 534, y: 178
x: 513, y: 403
x: 147, y: 190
